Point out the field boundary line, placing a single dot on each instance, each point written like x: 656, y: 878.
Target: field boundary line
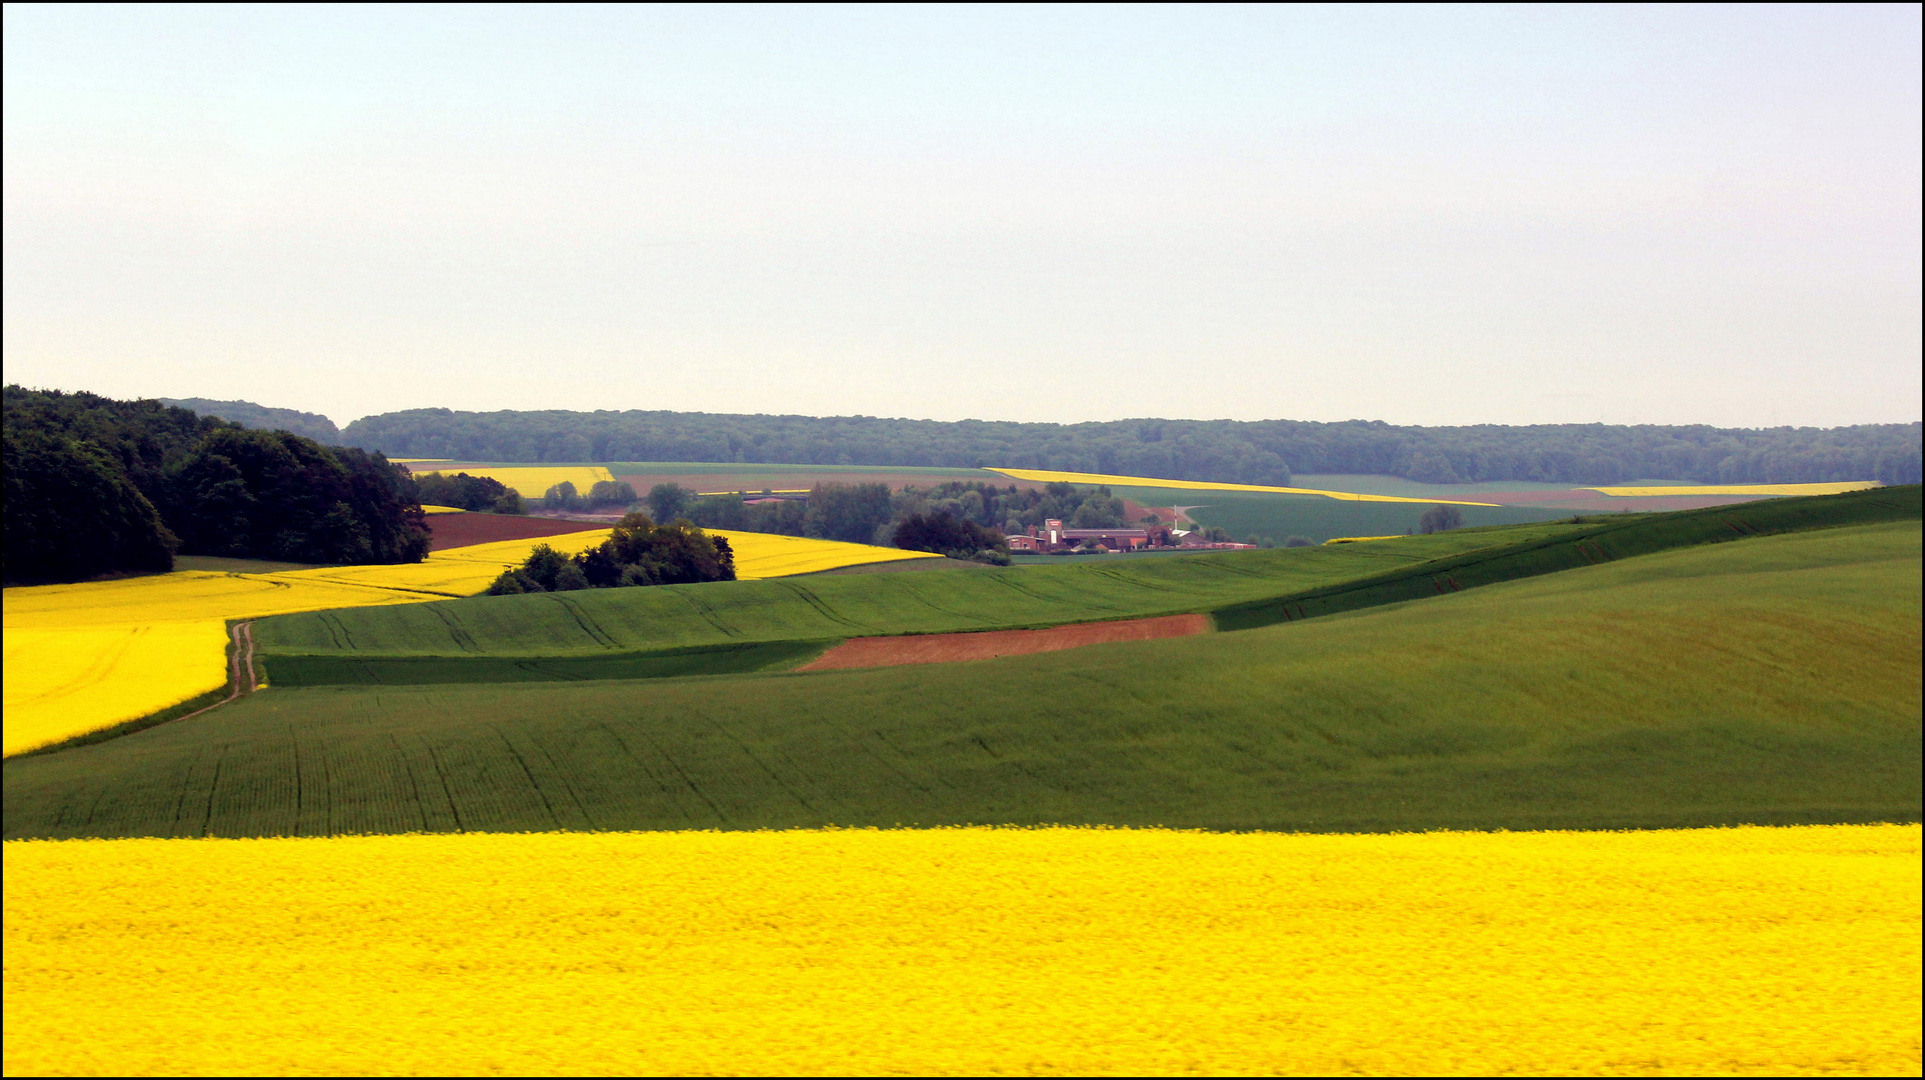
x: 241, y: 682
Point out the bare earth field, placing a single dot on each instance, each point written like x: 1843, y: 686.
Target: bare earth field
x: 946, y: 648
x: 462, y: 530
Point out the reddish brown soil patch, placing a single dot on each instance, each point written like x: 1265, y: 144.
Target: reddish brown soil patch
x: 1134, y: 512
x: 462, y: 530
x: 984, y: 645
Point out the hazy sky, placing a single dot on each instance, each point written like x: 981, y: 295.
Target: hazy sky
x: 1420, y: 215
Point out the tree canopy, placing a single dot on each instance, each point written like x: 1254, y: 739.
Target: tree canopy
x: 95, y: 485
x: 1253, y: 452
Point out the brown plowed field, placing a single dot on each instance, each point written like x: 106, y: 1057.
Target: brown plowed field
x: 461, y: 530
x: 987, y: 644
x: 1134, y: 512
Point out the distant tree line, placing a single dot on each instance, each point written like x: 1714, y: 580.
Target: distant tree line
x: 1254, y: 452
x: 247, y: 414
x: 639, y: 552
x: 94, y: 485
x: 961, y: 519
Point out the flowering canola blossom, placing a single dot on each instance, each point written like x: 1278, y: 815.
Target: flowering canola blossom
x: 1045, y: 476
x: 91, y: 655
x: 969, y: 951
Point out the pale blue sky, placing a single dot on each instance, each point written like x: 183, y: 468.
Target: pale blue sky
x: 1421, y: 215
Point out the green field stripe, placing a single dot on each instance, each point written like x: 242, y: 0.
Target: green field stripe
x: 1603, y: 541
x: 1771, y: 679
x: 286, y: 672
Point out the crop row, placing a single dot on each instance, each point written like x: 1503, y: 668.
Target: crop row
x: 1614, y: 695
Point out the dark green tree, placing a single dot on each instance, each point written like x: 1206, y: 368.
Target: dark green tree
x: 72, y: 513
x: 668, y: 502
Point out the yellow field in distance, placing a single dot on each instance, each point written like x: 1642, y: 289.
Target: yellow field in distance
x: 534, y: 481
x: 1741, y: 489
x: 1771, y: 951
x: 1358, y: 539
x: 427, y: 509
x: 753, y: 494
x: 757, y: 556
x: 1044, y: 476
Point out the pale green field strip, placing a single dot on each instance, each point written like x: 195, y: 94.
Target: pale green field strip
x: 1243, y: 588
x: 1770, y: 680
x: 833, y: 607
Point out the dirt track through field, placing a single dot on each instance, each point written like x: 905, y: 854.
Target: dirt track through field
x: 987, y: 644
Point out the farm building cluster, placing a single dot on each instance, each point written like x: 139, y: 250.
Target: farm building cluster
x: 1051, y: 536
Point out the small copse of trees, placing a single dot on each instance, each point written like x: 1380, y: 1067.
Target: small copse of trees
x: 1440, y: 519
x: 602, y: 494
x: 639, y: 552
x: 481, y: 493
x: 958, y: 538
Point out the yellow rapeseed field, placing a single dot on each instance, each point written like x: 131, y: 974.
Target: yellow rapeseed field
x: 88, y: 656
x: 1045, y: 476
x: 969, y: 951
x: 1358, y: 539
x: 1742, y: 489
x: 427, y: 509
x: 65, y: 682
x: 765, y: 555
x: 757, y: 555
x: 533, y: 481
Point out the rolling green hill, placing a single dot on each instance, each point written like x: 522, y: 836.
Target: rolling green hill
x: 821, y: 608
x: 1772, y: 679
x: 1278, y: 517
x: 735, y: 627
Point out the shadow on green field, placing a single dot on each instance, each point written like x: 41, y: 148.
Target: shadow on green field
x: 292, y: 671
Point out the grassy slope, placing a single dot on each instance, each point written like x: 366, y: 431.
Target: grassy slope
x: 1279, y: 517
x: 618, y: 633
x: 831, y: 607
x: 1773, y: 679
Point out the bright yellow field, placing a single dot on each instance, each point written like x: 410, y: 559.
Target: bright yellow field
x: 765, y: 555
x: 426, y: 509
x: 91, y: 655
x: 101, y: 675
x: 533, y: 481
x: 1742, y: 489
x: 959, y: 952
x: 1358, y: 539
x: 757, y: 555
x: 1044, y: 476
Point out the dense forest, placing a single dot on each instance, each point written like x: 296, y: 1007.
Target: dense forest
x: 247, y: 414
x: 95, y: 485
x: 1256, y: 452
